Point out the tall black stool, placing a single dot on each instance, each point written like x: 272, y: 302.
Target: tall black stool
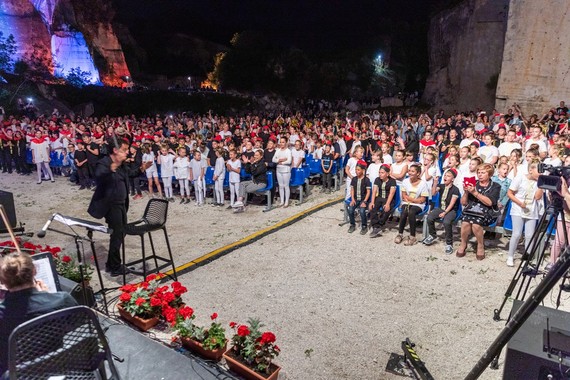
x: 154, y: 219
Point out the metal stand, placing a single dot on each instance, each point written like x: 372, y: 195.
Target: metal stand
x: 526, y: 309
x: 90, y: 227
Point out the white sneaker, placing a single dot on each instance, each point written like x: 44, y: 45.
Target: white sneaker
x: 510, y: 262
x: 238, y: 204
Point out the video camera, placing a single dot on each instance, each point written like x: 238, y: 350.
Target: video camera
x: 552, y: 181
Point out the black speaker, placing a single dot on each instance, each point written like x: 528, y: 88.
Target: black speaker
x: 7, y: 200
x: 527, y: 356
x: 76, y: 291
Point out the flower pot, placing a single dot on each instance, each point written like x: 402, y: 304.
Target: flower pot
x: 237, y: 366
x: 199, y: 349
x: 141, y: 323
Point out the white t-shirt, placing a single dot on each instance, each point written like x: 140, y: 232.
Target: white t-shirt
x: 488, y: 152
x: 524, y: 190
x: 372, y: 172
x: 351, y: 165
x: 506, y: 148
x: 234, y: 177
x: 466, y: 142
x: 420, y: 190
x: 180, y: 166
x: 541, y: 145
x: 396, y: 169
x: 149, y: 157
x: 387, y: 159
x: 197, y: 167
x: 285, y: 166
x: 297, y: 158
x: 167, y: 165
x: 434, y: 172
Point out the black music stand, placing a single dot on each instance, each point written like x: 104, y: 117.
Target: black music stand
x: 90, y: 226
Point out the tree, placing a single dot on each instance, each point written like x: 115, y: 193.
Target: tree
x: 78, y: 78
x: 7, y: 51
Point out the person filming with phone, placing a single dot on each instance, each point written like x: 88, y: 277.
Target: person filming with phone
x: 480, y: 204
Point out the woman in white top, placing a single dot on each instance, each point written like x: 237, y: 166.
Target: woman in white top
x: 283, y: 158
x: 399, y: 169
x: 526, y: 205
x: 414, y: 196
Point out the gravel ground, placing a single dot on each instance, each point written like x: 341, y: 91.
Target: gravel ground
x: 339, y: 303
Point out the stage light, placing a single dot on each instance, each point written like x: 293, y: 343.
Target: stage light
x: 30, y: 100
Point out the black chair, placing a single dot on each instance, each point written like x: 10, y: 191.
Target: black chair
x: 154, y: 219
x: 68, y: 343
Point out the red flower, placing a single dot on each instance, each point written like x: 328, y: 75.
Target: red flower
x: 66, y: 259
x: 233, y: 324
x: 144, y: 285
x: 267, y: 337
x: 178, y: 291
x: 169, y: 314
x: 125, y: 297
x: 129, y: 288
x: 140, y: 301
x: 186, y: 312
x: 150, y: 277
x: 168, y: 297
x: 243, y: 331
x: 155, y: 302
x: 214, y: 316
x: 276, y: 348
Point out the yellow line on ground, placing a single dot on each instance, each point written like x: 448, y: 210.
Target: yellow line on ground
x: 253, y: 236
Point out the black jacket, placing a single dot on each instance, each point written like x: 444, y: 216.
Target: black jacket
x: 257, y: 171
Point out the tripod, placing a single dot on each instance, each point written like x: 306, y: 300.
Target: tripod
x: 537, y: 244
x: 526, y: 269
x: 525, y: 310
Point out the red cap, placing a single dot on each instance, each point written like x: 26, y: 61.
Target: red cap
x: 453, y: 171
x: 361, y: 163
x: 385, y: 167
x: 218, y: 138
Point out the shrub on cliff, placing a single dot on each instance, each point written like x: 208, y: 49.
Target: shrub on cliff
x: 7, y: 51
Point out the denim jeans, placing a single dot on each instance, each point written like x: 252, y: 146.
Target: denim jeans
x: 361, y: 210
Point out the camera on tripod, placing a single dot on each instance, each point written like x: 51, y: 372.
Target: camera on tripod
x: 553, y: 180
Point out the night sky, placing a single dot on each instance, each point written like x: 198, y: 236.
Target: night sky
x: 316, y: 26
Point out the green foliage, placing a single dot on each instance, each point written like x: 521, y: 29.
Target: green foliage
x: 7, y: 51
x: 78, y: 78
x: 215, y: 337
x: 21, y: 67
x: 256, y: 348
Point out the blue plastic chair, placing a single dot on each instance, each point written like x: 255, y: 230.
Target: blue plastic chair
x: 209, y: 177
x: 315, y: 167
x: 298, y: 178
x: 245, y: 176
x: 227, y: 180
x: 508, y: 223
x: 267, y: 190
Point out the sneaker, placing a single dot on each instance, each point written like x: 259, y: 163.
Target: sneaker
x: 238, y: 204
x: 363, y: 231
x: 187, y: 201
x: 39, y: 182
x: 411, y: 240
x: 229, y: 207
x: 428, y: 240
x: 114, y: 272
x: 398, y: 239
x: 182, y: 200
x: 375, y: 233
x: 239, y: 210
x: 351, y: 229
x: 510, y: 262
x: 448, y: 249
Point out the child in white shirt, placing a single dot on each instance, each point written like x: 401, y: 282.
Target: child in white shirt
x: 182, y: 173
x: 166, y: 162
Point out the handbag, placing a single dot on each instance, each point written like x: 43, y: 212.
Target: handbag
x: 478, y: 210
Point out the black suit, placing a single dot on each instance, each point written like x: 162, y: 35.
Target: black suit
x: 23, y: 305
x: 111, y: 200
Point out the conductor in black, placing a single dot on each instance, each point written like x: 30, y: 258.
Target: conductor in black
x: 111, y: 199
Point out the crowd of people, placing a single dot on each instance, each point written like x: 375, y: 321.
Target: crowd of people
x: 473, y: 168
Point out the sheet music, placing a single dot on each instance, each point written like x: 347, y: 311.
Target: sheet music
x: 69, y: 221
x: 44, y: 272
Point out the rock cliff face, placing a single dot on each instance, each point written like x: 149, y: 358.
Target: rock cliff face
x: 535, y: 72
x: 465, y: 46
x: 72, y: 33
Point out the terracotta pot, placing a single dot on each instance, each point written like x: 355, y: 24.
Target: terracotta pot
x: 141, y: 323
x: 199, y: 349
x: 242, y: 369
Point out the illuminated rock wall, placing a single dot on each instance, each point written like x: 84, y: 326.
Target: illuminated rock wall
x: 66, y: 31
x: 536, y: 64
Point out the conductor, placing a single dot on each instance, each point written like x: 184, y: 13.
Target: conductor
x: 111, y: 199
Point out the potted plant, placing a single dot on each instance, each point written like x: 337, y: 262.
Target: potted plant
x: 209, y: 343
x: 140, y: 304
x: 253, y: 351
x: 67, y: 267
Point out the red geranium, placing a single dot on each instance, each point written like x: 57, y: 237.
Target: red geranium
x: 186, y: 312
x: 243, y: 330
x: 214, y: 316
x: 233, y: 324
x: 125, y: 297
x: 155, y: 302
x: 140, y: 301
x: 66, y: 259
x: 266, y: 337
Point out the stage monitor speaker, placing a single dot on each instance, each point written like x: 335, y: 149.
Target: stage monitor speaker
x: 7, y: 200
x: 75, y: 290
x: 526, y: 356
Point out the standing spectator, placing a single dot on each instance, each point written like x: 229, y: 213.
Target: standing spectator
x: 182, y: 173
x: 166, y: 162
x: 326, y: 165
x: 151, y: 170
x: 283, y: 158
x: 198, y: 167
x: 233, y: 166
x: 92, y: 150
x: 40, y: 155
x: 219, y: 175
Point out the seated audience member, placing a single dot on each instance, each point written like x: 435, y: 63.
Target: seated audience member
x: 415, y: 193
x: 359, y: 198
x: 478, y: 202
x: 449, y: 203
x: 25, y: 300
x: 383, y: 199
x: 257, y: 168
